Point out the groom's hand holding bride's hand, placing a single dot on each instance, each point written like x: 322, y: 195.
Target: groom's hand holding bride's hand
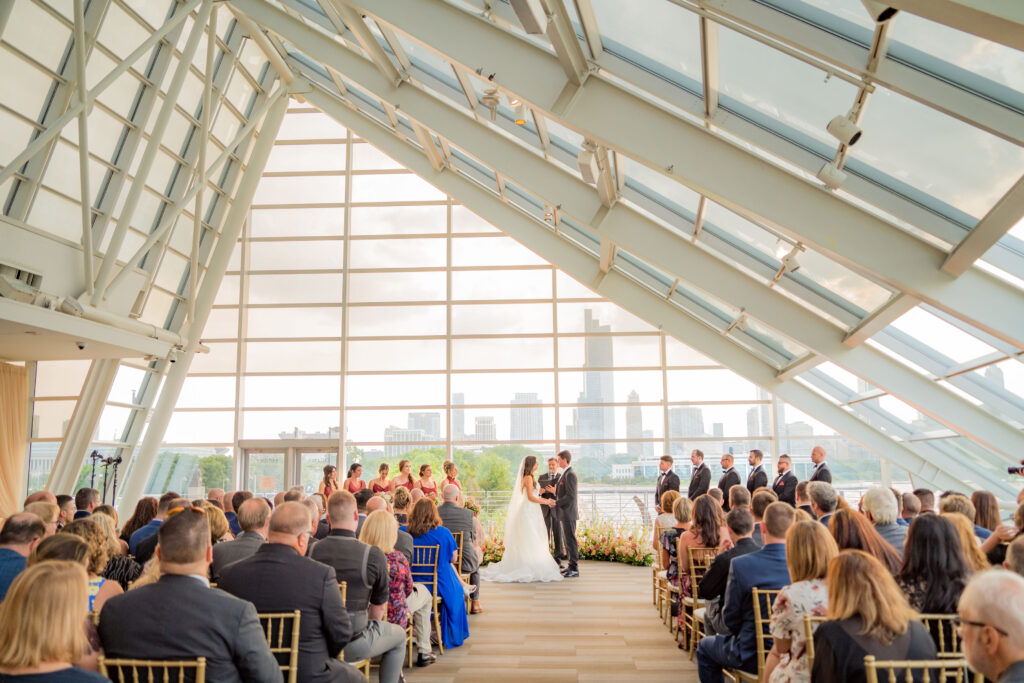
x: 549, y: 502
x: 549, y: 489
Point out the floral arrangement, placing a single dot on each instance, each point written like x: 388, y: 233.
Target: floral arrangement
x: 494, y: 546
x: 471, y: 505
x: 598, y: 539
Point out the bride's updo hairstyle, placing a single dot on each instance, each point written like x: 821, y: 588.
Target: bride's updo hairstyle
x: 529, y: 464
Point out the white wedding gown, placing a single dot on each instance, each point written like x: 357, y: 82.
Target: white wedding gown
x: 526, y: 558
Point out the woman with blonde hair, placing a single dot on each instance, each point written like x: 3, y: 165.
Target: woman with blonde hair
x: 42, y: 625
x: 668, y: 542
x: 809, y: 549
x: 976, y: 559
x: 451, y: 474
x: 666, y: 520
x: 400, y: 504
x: 120, y: 567
x: 220, y: 529
x: 868, y: 615
x: 98, y: 588
x: 404, y: 477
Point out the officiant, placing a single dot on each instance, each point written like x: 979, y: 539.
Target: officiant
x: 550, y: 478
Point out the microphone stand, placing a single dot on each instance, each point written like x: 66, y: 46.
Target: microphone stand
x: 95, y: 456
x: 115, y: 462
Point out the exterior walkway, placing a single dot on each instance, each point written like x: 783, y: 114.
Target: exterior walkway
x: 597, y: 628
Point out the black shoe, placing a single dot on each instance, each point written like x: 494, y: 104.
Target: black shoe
x: 570, y: 573
x: 425, y: 659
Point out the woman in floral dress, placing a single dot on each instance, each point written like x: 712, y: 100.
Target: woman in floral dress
x: 809, y: 547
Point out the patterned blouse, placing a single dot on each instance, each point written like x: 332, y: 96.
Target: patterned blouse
x: 400, y: 588
x: 787, y: 622
x: 670, y: 542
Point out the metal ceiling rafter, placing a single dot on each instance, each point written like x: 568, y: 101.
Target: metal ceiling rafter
x: 365, y: 38
x: 939, y: 470
x: 1000, y: 22
x: 738, y: 180
x: 588, y: 22
x: 887, y: 314
x: 1007, y: 212
x: 709, y: 64
x: 567, y: 46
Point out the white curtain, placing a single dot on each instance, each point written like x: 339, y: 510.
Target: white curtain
x: 13, y: 431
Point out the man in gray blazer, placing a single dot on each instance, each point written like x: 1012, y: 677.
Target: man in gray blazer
x: 181, y: 617
x: 254, y: 518
x: 454, y: 517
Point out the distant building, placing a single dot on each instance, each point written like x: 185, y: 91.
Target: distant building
x: 296, y: 433
x: 527, y: 421
x: 458, y: 417
x: 400, y: 440
x: 622, y: 471
x: 595, y: 421
x: 428, y: 423
x: 486, y: 429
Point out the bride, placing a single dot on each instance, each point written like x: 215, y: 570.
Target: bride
x: 527, y: 558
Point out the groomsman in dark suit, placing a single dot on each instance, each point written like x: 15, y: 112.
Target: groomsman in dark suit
x: 821, y: 470
x: 546, y: 480
x: 785, y: 482
x: 730, y: 478
x: 668, y: 480
x: 700, y: 479
x: 757, y: 477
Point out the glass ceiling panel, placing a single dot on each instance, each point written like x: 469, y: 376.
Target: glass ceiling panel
x: 1007, y: 374
x: 657, y: 36
x: 843, y: 17
x: 941, y: 336
x: 674, y: 196
x: 568, y: 140
x: 48, y: 39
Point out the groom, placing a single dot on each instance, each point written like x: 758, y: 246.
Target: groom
x: 566, y: 513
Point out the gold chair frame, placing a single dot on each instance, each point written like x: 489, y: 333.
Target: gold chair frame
x: 762, y: 624
x: 811, y: 623
x: 698, y: 559
x: 458, y: 563
x: 424, y: 570
x: 899, y: 671
x: 114, y: 669
x: 938, y: 626
x: 274, y: 627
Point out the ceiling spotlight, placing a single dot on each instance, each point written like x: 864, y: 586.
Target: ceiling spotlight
x: 789, y: 261
x: 531, y: 15
x: 491, y: 100
x: 832, y: 176
x: 520, y: 112
x: 879, y: 11
x: 845, y: 130
x: 587, y: 161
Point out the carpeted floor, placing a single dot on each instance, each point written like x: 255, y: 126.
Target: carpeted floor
x: 599, y: 627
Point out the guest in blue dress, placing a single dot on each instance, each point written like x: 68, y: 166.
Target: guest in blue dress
x: 426, y: 530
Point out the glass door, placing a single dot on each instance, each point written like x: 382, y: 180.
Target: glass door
x: 265, y: 472
x: 311, y: 467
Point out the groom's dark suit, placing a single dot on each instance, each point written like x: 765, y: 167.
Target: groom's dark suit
x: 550, y: 518
x: 565, y: 504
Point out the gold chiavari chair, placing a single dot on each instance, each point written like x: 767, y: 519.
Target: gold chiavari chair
x: 343, y: 589
x: 458, y: 563
x: 930, y: 671
x: 152, y: 670
x: 282, y: 631
x: 656, y: 568
x: 424, y: 570
x: 698, y: 559
x: 763, y: 601
x: 810, y: 624
x: 943, y: 632
x: 363, y: 664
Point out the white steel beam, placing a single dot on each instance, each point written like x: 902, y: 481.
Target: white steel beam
x: 625, y: 122
x: 939, y: 470
x: 85, y: 203
x: 205, y: 121
x: 1000, y: 22
x: 709, y: 64
x: 1009, y: 211
x: 265, y: 46
x: 588, y: 21
x: 367, y: 40
x: 880, y: 319
x: 800, y: 365
x: 135, y: 483
x: 563, y: 38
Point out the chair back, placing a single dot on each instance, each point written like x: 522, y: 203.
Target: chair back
x: 764, y: 598
x: 424, y: 565
x: 698, y: 560
x: 458, y: 559
x: 926, y: 671
x: 810, y: 624
x: 343, y: 589
x: 943, y: 632
x: 154, y: 670
x: 282, y: 631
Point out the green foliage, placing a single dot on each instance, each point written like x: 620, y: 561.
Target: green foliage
x: 216, y: 471
x: 495, y: 473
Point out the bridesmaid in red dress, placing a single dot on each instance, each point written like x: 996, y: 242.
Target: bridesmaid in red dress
x: 426, y: 483
x: 354, y: 483
x: 404, y: 476
x: 451, y: 472
x: 330, y: 482
x: 381, y: 484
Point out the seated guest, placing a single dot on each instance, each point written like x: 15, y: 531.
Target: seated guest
x: 322, y: 526
x: 216, y: 496
x: 362, y: 498
x: 666, y: 520
x: 1015, y: 557
x: 758, y: 504
x: 868, y: 615
x: 426, y: 530
x: 455, y: 518
x: 765, y: 568
x: 110, y: 515
x: 254, y: 518
x: 955, y: 502
x: 809, y: 549
x: 711, y: 589
x: 934, y: 570
x: 927, y: 499
x: 415, y: 496
x: 293, y: 495
x: 41, y: 626
x: 986, y: 509
x: 381, y: 531
x: 996, y: 545
x: 20, y: 534
x: 853, y: 531
x: 86, y: 500
x: 880, y: 507
x: 911, y: 509
x: 278, y: 578
x: 62, y: 547
x: 145, y: 548
x: 403, y: 543
x: 314, y: 519
x: 230, y: 512
x: 739, y: 495
x: 40, y: 497
x: 976, y: 559
x: 824, y: 500
x: 145, y: 511
x: 150, y: 527
x: 220, y: 530
x: 400, y: 505
x: 991, y: 618
x: 99, y: 588
x: 237, y: 498
x: 48, y: 512
x: 180, y: 617
x: 120, y: 568
x: 803, y: 500
x: 707, y: 530
x: 682, y: 513
x: 717, y: 494
x: 365, y: 570
x: 67, y: 509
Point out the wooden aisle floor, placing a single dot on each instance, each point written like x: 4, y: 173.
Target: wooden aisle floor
x: 600, y: 627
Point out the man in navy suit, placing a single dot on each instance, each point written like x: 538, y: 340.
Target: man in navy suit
x: 765, y: 569
x: 824, y: 500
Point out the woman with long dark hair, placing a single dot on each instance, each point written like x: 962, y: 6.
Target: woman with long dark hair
x: 853, y: 531
x: 986, y: 509
x: 934, y: 571
x: 354, y: 481
x: 145, y: 511
x: 329, y: 484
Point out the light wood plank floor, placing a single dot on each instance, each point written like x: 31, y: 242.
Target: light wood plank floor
x: 597, y: 628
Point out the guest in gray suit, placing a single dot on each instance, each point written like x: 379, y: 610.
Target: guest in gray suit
x: 454, y: 517
x: 879, y: 505
x: 180, y: 617
x: 404, y: 542
x: 254, y: 518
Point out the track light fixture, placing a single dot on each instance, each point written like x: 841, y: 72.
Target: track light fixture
x: 789, y: 261
x: 587, y: 161
x: 844, y: 130
x: 531, y: 15
x: 832, y: 176
x: 491, y: 100
x: 520, y: 114
x: 879, y: 11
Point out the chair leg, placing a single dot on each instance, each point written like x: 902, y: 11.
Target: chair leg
x: 437, y: 626
x: 408, y: 640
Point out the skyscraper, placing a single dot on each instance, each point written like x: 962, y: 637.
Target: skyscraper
x: 458, y: 417
x: 428, y: 423
x: 394, y: 434
x: 684, y: 422
x: 527, y: 422
x: 595, y: 421
x: 634, y: 426
x: 486, y: 429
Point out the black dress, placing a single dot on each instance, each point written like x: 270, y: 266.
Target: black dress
x: 840, y: 648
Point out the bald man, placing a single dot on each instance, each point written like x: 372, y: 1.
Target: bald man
x: 404, y: 542
x: 821, y: 471
x: 278, y: 578
x: 41, y: 497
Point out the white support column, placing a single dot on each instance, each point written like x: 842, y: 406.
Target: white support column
x: 206, y: 120
x: 134, y: 485
x: 563, y: 38
x: 85, y: 203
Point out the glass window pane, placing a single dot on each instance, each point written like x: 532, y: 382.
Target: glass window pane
x: 366, y: 157
x: 599, y: 317
x: 396, y: 321
x: 678, y: 353
x: 61, y: 377
x: 201, y: 427
x: 304, y: 255
x: 501, y: 284
x: 297, y: 222
x: 499, y: 388
x: 221, y: 358
x: 482, y: 354
x: 398, y: 220
x: 492, y: 251
x: 624, y: 352
x: 941, y: 336
x: 296, y: 322
x: 569, y: 288
x: 501, y: 319
x: 398, y: 253
x: 321, y: 157
x: 301, y: 190
x: 732, y: 421
x: 312, y: 288
x: 319, y: 356
x: 395, y: 425
x: 424, y: 354
x: 710, y: 385
x: 290, y: 424
x: 207, y: 392
x: 372, y: 287
x: 609, y: 386
x: 382, y: 390
x: 222, y: 324
x: 386, y: 187
x: 50, y: 418
x: 310, y: 126
x: 286, y: 392
x: 464, y: 220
